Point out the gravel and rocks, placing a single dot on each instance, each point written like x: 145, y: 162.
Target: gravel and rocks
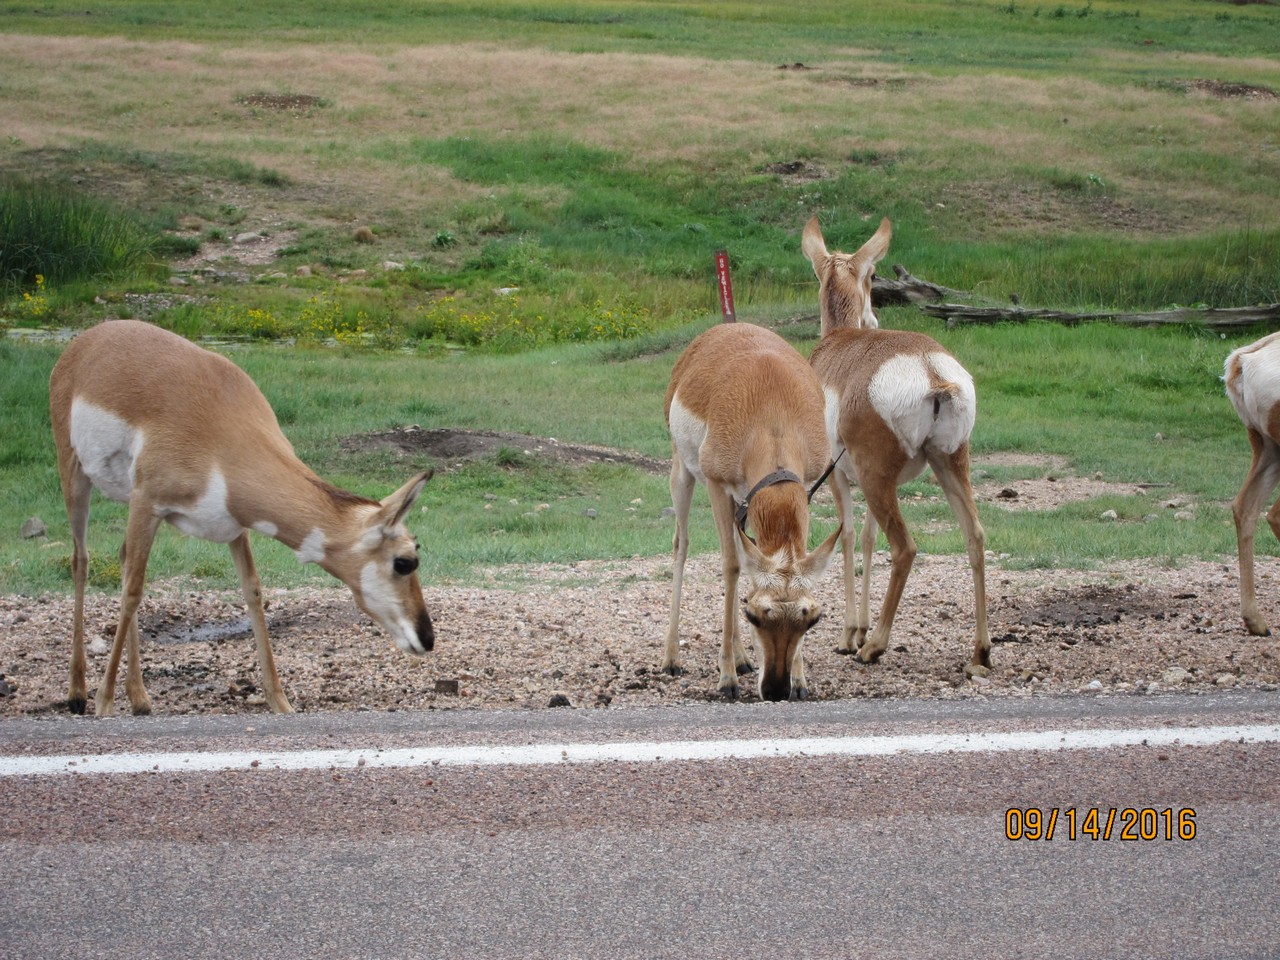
x: 589, y: 635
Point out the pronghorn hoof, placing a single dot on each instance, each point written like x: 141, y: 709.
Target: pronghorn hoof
x: 76, y: 705
x: 868, y: 660
x: 799, y: 693
x: 845, y: 651
x: 744, y: 668
x: 141, y: 710
x: 673, y: 671
x: 730, y: 693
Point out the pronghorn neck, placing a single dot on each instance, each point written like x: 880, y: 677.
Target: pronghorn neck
x: 310, y: 516
x: 841, y: 307
x: 779, y: 516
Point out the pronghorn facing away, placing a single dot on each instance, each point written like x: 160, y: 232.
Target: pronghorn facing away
x: 745, y: 415
x: 1253, y: 384
x: 896, y: 402
x: 182, y: 434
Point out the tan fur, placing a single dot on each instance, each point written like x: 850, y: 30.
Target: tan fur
x: 918, y: 423
x: 1252, y: 377
x: 199, y: 413
x: 761, y: 408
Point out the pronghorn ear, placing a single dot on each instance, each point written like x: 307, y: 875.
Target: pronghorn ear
x: 397, y: 505
x: 874, y: 250
x: 814, y: 247
x: 752, y: 556
x: 815, y: 565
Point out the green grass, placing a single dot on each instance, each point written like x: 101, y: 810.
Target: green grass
x: 594, y: 154
x: 1096, y: 396
x: 60, y: 237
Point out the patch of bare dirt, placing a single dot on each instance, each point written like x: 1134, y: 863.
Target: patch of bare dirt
x: 1221, y: 90
x: 285, y: 102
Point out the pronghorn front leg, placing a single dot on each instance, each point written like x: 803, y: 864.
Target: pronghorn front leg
x: 856, y: 617
x: 733, y: 656
x: 251, y: 586
x: 682, y: 485
x: 140, y: 533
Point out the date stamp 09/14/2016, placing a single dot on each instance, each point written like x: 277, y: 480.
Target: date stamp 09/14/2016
x: 1131, y: 824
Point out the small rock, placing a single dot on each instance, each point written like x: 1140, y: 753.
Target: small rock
x: 392, y: 265
x: 7, y: 689
x: 1175, y: 676
x: 667, y: 513
x: 976, y: 671
x: 559, y: 700
x: 1093, y: 685
x: 1184, y: 516
x: 447, y: 687
x: 1008, y: 493
x: 302, y: 271
x: 243, y: 238
x: 1225, y: 680
x: 589, y: 514
x: 33, y: 528
x: 1109, y: 515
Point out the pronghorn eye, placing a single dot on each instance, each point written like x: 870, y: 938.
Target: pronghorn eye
x: 404, y: 565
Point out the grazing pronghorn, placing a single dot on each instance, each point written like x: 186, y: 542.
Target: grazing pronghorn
x: 1253, y: 384
x: 182, y: 434
x: 896, y: 402
x: 745, y: 415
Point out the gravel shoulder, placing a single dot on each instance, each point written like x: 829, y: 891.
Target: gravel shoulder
x: 589, y: 635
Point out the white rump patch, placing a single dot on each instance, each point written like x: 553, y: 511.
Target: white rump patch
x: 900, y: 393
x: 382, y: 601
x: 1258, y: 387
x: 107, y: 448
x: 311, y: 549
x: 688, y: 433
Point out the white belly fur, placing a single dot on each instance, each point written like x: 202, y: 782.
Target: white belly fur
x: 208, y: 518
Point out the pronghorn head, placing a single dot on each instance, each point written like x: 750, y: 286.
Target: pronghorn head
x: 378, y: 560
x: 780, y: 607
x: 844, y: 279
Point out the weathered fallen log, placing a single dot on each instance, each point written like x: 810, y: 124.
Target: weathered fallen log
x: 1221, y: 318
x: 905, y: 290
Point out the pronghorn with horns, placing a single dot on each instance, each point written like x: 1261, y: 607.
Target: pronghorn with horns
x: 746, y: 418
x: 896, y: 403
x: 184, y: 435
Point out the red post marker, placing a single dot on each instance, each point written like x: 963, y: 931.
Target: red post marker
x: 726, y: 288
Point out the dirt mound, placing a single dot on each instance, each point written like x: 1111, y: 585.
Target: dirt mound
x: 455, y: 447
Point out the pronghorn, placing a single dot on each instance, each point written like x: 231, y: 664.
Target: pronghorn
x: 745, y: 415
x: 182, y: 434
x: 896, y: 402
x: 1253, y: 383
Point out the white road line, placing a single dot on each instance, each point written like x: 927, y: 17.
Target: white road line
x: 548, y: 754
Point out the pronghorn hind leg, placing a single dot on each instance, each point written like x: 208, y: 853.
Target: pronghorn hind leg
x: 139, y: 535
x: 251, y: 586
x: 881, y: 494
x: 952, y: 474
x: 682, y: 486
x: 1263, y: 475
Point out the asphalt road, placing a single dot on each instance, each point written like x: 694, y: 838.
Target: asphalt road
x: 856, y: 829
